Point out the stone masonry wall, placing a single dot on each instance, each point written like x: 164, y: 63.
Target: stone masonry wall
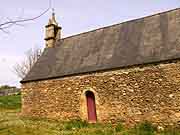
x: 130, y: 95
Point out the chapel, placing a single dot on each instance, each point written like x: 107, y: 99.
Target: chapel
x: 128, y: 72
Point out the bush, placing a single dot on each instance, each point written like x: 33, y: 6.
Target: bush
x: 3, y: 87
x: 119, y: 127
x: 75, y: 124
x: 19, y: 93
x: 145, y: 128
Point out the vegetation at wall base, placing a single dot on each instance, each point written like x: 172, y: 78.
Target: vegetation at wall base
x: 11, y: 123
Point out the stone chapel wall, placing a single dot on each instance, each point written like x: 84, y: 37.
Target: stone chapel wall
x: 150, y: 92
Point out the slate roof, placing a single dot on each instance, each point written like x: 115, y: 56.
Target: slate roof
x: 151, y: 39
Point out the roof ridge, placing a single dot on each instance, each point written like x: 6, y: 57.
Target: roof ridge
x: 105, y: 27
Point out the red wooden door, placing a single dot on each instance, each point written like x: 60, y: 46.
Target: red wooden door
x: 91, y: 107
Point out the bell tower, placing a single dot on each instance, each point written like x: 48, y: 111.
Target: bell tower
x: 52, y: 32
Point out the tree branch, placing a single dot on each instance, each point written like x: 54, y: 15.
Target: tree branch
x: 12, y: 22
x: 9, y: 23
x: 32, y: 55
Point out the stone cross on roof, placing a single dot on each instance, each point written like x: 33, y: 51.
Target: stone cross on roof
x: 52, y: 20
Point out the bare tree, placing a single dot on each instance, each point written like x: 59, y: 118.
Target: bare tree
x: 31, y: 56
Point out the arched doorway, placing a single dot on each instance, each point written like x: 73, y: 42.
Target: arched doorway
x: 91, y: 106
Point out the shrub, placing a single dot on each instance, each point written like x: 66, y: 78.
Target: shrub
x: 4, y: 87
x: 75, y: 124
x: 145, y: 128
x: 119, y: 127
x: 19, y: 93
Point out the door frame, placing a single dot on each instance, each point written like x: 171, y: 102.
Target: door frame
x: 91, y: 96
x: 83, y: 104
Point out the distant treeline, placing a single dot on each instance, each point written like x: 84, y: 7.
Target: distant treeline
x: 6, y: 90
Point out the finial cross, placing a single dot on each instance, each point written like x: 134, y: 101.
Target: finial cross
x: 53, y: 11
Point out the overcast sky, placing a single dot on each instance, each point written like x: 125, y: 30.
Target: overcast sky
x: 74, y: 16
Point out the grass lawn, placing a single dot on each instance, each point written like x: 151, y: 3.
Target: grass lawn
x: 10, y: 102
x: 12, y: 124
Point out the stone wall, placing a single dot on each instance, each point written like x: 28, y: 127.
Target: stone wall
x: 130, y: 95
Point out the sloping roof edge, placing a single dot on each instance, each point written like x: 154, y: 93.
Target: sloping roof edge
x: 105, y: 70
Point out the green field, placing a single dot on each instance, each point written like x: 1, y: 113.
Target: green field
x: 10, y: 102
x: 12, y: 124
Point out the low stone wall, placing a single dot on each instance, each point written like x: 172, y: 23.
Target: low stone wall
x: 129, y: 95
x: 10, y: 91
